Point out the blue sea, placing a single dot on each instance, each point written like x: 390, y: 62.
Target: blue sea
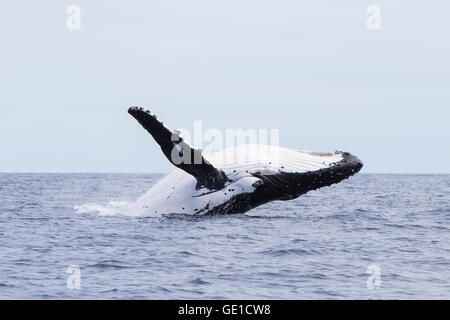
x: 369, y: 237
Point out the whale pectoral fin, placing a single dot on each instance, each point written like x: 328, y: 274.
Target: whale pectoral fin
x: 179, y: 153
x: 285, y: 185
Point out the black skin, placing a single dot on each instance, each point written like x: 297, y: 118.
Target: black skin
x: 207, y: 176
x: 287, y: 186
x: 279, y: 186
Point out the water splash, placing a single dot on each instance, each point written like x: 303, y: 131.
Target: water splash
x: 112, y: 208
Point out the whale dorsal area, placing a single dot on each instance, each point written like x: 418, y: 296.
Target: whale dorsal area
x: 179, y: 153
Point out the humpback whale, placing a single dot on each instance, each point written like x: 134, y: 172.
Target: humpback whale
x: 237, y: 179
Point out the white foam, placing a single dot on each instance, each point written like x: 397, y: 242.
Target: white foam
x: 112, y: 208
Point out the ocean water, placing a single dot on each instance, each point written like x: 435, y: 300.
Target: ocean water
x: 369, y: 237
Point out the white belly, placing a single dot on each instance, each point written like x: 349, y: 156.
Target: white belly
x: 176, y: 193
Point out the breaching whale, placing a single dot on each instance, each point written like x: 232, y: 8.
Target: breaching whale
x: 237, y: 179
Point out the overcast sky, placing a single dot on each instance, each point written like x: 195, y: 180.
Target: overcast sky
x: 309, y: 68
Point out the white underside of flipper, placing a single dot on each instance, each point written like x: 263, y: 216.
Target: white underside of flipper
x: 177, y: 193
